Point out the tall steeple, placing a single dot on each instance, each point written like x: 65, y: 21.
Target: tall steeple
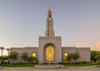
x: 49, y: 24
x: 49, y: 6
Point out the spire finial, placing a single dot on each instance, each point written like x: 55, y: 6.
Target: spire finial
x: 49, y: 6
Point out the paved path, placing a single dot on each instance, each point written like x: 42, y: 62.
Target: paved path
x: 69, y: 68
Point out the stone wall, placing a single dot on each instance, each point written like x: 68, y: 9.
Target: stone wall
x: 83, y: 52
x: 29, y: 50
x: 59, y: 51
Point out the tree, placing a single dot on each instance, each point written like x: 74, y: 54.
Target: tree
x: 0, y: 58
x: 68, y: 57
x: 93, y: 55
x: 29, y: 59
x: 13, y: 55
x: 32, y: 59
x: 75, y: 56
x: 2, y: 48
x: 97, y: 57
x: 8, y: 50
x: 24, y: 56
x: 3, y: 58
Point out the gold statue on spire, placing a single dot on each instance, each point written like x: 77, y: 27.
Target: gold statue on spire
x: 49, y: 6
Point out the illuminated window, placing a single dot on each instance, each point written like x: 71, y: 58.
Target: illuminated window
x: 49, y: 53
x: 65, y: 57
x: 34, y: 55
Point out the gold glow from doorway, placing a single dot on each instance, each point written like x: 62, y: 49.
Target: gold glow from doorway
x: 49, y: 53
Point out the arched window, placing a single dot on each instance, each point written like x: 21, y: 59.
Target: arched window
x: 65, y: 57
x: 34, y: 57
x: 33, y: 54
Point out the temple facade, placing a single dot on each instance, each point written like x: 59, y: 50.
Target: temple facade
x: 50, y: 48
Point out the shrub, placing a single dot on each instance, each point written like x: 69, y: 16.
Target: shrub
x: 93, y: 55
x: 97, y: 57
x: 98, y: 61
x: 55, y: 63
x: 2, y: 62
x: 45, y: 63
x: 35, y: 63
x: 74, y: 56
x: 51, y: 63
x: 13, y: 55
x: 8, y: 62
x: 24, y: 56
x: 63, y: 63
x: 5, y: 63
x: 83, y: 62
x: 32, y: 59
x: 18, y: 63
x: 77, y: 62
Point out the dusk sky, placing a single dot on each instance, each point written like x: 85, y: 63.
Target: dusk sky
x: 76, y: 21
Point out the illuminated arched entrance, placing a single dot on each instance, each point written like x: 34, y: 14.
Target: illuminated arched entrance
x: 49, y: 53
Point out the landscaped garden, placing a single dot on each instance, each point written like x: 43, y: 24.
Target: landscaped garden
x: 11, y: 59
x: 26, y: 61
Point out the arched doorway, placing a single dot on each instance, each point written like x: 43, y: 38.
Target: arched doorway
x: 49, y: 53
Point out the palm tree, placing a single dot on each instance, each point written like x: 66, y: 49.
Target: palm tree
x: 8, y: 50
x: 2, y: 48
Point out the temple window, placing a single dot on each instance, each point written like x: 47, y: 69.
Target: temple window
x: 34, y: 55
x: 65, y: 57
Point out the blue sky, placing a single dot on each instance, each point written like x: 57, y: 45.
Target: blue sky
x: 23, y: 21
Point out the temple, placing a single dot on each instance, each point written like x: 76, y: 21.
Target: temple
x: 50, y: 48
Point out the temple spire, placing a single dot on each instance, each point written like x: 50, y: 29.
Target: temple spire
x: 49, y: 6
x: 49, y: 24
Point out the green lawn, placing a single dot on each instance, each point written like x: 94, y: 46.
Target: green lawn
x: 31, y: 65
x: 24, y: 65
x: 87, y: 64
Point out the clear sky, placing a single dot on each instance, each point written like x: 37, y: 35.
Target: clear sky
x: 23, y: 21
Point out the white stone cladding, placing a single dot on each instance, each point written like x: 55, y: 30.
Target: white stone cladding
x: 84, y: 53
x: 46, y: 40
x: 20, y: 50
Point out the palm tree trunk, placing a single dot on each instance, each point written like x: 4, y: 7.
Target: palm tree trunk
x: 8, y: 53
x: 1, y: 52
